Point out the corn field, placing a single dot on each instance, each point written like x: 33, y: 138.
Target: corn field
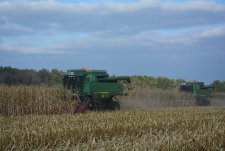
x: 22, y: 100
x: 40, y: 118
x: 189, y: 128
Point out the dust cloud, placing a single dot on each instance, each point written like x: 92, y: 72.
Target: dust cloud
x: 218, y: 102
x: 145, y: 104
x: 139, y: 104
x: 145, y: 98
x: 142, y: 104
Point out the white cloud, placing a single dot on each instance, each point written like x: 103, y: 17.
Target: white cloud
x: 86, y: 17
x: 190, y: 37
x: 13, y: 29
x: 194, y: 5
x: 155, y: 37
x: 106, y: 25
x: 100, y: 42
x: 214, y: 32
x: 57, y: 50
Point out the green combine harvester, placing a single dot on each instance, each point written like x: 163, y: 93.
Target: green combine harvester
x: 94, y: 89
x: 201, y: 92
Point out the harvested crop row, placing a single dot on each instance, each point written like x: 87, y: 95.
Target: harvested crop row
x: 161, y: 129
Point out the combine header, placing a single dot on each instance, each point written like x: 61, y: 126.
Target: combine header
x: 95, y: 89
x: 201, y: 92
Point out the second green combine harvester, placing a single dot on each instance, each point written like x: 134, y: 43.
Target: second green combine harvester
x: 201, y: 92
x: 94, y: 89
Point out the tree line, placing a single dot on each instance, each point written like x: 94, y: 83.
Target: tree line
x: 166, y: 83
x: 155, y: 82
x: 219, y: 85
x: 14, y: 76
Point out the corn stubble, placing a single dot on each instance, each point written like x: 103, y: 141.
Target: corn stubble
x: 189, y: 128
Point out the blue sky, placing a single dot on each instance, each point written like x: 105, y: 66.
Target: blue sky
x: 176, y: 39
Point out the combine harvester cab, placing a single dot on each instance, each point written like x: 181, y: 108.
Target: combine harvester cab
x: 201, y: 92
x: 94, y: 89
